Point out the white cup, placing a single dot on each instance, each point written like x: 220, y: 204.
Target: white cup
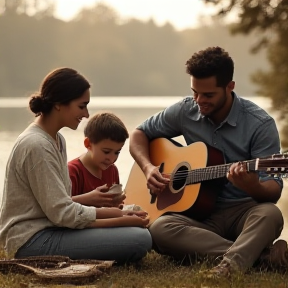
x: 115, y: 189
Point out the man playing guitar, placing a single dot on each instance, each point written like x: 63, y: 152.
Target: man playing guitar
x: 245, y: 220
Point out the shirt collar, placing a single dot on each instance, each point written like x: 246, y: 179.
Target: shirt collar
x: 234, y: 111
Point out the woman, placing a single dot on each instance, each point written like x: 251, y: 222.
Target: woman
x: 38, y: 216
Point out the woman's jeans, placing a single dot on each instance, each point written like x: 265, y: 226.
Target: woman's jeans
x: 122, y: 244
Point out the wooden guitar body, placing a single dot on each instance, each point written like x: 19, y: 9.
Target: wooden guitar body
x: 194, y: 200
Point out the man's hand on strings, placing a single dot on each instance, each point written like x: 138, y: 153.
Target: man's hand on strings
x: 156, y: 182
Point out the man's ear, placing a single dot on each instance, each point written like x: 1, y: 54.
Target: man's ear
x: 231, y: 85
x: 57, y: 107
x: 87, y: 143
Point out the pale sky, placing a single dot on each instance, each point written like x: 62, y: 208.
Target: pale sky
x: 180, y: 13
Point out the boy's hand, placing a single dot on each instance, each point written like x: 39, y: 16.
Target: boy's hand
x: 116, y: 189
x: 119, y: 200
x: 99, y: 197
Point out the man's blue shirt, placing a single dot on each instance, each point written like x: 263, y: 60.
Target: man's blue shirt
x: 248, y: 132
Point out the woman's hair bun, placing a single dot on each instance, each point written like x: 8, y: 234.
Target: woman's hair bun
x: 38, y: 105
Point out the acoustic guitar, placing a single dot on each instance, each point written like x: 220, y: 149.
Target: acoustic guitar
x: 197, y: 173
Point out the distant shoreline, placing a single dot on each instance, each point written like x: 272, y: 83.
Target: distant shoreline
x: 126, y: 101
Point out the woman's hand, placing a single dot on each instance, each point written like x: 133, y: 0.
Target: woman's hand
x: 114, y: 217
x: 125, y: 221
x: 134, y: 221
x: 113, y: 212
x: 141, y: 214
x: 104, y: 213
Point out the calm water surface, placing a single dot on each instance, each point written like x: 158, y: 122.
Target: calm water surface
x: 14, y: 117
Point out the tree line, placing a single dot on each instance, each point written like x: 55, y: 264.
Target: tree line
x: 138, y: 58
x: 134, y: 58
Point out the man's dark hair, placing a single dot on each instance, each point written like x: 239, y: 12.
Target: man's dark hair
x: 213, y: 61
x: 105, y: 125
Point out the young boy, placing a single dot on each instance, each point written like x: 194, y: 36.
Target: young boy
x: 93, y: 173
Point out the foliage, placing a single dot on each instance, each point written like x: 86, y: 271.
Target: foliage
x: 275, y: 81
x: 42, y: 8
x: 269, y: 19
x: 262, y: 15
x: 128, y: 58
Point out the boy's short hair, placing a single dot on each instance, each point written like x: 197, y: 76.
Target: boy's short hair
x: 105, y: 125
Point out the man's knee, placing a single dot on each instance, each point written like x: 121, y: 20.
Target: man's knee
x: 270, y: 213
x: 156, y: 229
x: 163, y: 229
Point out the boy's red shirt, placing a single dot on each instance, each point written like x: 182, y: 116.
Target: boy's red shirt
x: 83, y: 181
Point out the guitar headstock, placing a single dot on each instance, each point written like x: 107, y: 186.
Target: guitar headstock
x: 275, y: 165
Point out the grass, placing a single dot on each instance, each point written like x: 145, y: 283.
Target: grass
x: 157, y: 271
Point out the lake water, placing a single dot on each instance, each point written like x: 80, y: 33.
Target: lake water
x: 14, y: 117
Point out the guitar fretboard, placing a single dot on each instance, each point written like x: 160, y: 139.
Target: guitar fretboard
x: 270, y: 166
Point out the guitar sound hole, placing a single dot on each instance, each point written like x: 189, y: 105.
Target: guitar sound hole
x: 179, y: 179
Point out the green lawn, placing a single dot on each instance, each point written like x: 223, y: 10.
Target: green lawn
x: 158, y: 271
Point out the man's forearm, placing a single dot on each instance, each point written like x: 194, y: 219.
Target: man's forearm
x: 267, y: 191
x: 139, y: 148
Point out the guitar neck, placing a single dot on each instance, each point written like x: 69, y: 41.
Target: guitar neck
x: 219, y: 171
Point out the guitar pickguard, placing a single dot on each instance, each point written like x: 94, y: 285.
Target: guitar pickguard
x: 166, y: 198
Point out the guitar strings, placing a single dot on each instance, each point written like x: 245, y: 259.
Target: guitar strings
x: 201, y: 173
x: 207, y: 173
